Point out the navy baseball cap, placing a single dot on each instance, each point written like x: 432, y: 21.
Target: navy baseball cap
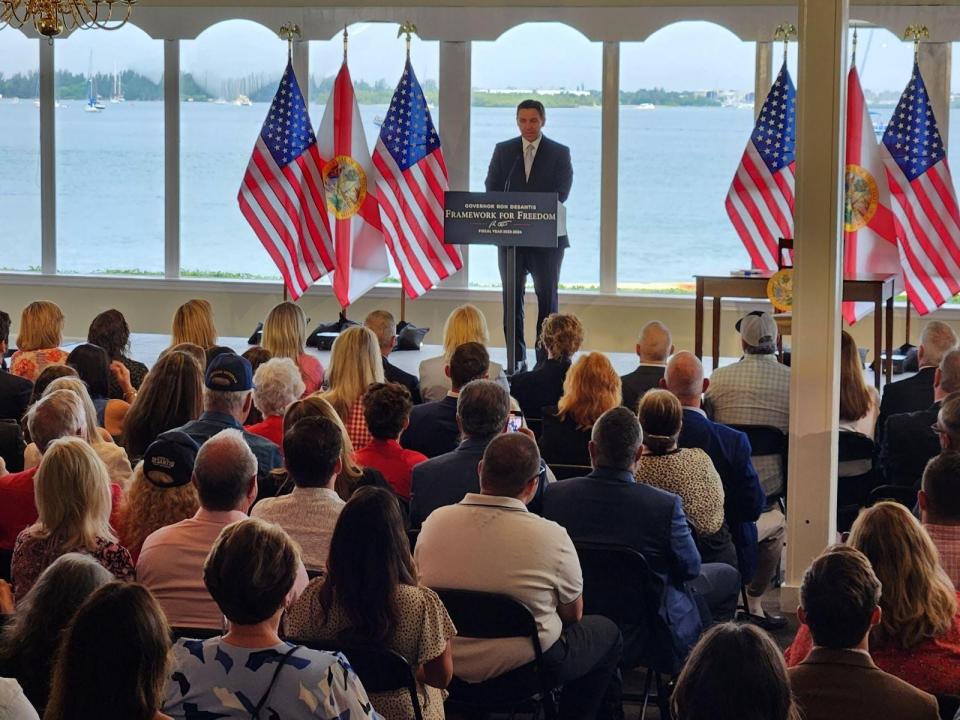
x: 230, y: 373
x: 168, y: 462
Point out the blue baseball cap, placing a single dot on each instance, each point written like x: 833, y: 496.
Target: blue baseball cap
x: 229, y: 373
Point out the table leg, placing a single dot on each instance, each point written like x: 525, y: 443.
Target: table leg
x: 698, y: 322
x: 877, y: 341
x: 889, y: 376
x: 716, y: 332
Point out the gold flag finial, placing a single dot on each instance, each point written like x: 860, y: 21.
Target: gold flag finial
x: 916, y: 33
x: 290, y: 31
x: 409, y: 29
x: 785, y: 31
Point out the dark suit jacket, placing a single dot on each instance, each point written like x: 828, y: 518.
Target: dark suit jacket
x: 846, y: 684
x: 551, y: 171
x: 743, y: 498
x: 14, y: 395
x: 635, y: 384
x: 908, y: 443
x: 541, y: 387
x: 433, y: 428
x: 445, y: 479
x: 610, y: 506
x: 391, y: 373
x: 907, y: 395
x: 561, y: 441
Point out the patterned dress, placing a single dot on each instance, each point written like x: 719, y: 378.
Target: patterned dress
x: 214, y: 679
x: 30, y: 363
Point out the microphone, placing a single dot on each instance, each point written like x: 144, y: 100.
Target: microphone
x: 506, y: 185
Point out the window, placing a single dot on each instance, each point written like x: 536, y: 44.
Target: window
x: 560, y: 67
x: 109, y: 120
x: 225, y: 91
x: 686, y: 112
x: 20, y: 151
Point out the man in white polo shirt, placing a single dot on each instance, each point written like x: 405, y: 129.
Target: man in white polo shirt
x: 489, y: 542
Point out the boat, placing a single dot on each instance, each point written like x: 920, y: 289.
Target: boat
x: 93, y: 101
x: 242, y: 101
x: 646, y: 106
x: 879, y: 127
x: 117, y: 96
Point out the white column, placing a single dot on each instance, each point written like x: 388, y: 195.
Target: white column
x: 762, y: 75
x: 609, y: 157
x: 815, y: 375
x: 48, y: 162
x: 455, y: 96
x: 171, y: 158
x: 934, y: 61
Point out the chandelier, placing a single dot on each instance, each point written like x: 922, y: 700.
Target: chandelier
x: 53, y: 17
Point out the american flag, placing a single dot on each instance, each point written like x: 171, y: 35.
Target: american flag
x: 413, y: 179
x: 924, y: 203
x: 282, y: 195
x: 760, y: 200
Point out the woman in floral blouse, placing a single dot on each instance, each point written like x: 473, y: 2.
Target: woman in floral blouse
x: 73, y: 501
x: 38, y: 340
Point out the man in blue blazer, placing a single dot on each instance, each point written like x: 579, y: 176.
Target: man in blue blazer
x: 532, y: 163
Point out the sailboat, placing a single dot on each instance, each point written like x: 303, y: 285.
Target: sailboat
x: 117, y: 96
x: 93, y: 102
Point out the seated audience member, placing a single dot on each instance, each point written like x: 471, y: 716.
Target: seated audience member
x: 939, y: 504
x: 743, y: 498
x: 918, y: 637
x: 160, y: 492
x: 171, y: 560
x: 171, y: 396
x: 28, y: 644
x: 212, y: 352
x: 276, y: 384
x: 251, y: 573
x: 73, y: 503
x: 859, y: 402
x: 193, y: 323
x: 735, y: 672
x: 386, y: 408
x: 687, y: 472
x: 489, y: 542
x: 14, y: 391
x: 561, y: 337
x: 907, y: 443
x: 312, y: 457
x: 465, y: 324
x: 917, y: 391
x: 482, y: 411
x: 591, y: 388
x: 38, y: 340
x: 654, y: 346
x: 110, y: 331
x: 371, y: 596
x: 754, y: 391
x: 191, y: 349
x: 609, y: 505
x: 383, y: 325
x: 355, y: 365
x: 839, y: 604
x: 93, y: 366
x: 13, y: 703
x: 433, y: 425
x: 256, y: 356
x: 57, y: 415
x: 227, y: 399
x: 285, y: 336
x: 352, y: 476
x: 49, y: 374
x: 123, y: 629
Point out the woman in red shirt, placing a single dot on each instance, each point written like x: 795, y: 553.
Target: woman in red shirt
x: 918, y: 638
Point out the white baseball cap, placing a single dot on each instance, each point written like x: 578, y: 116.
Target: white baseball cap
x: 757, y: 328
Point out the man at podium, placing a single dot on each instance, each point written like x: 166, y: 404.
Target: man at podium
x: 532, y: 163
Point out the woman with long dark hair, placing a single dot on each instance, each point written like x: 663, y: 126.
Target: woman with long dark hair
x: 93, y: 366
x: 370, y: 595
x: 110, y: 331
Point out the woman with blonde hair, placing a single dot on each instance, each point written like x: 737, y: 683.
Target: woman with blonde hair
x: 918, y: 638
x: 38, y: 340
x: 285, y: 336
x: 193, y: 323
x: 859, y: 401
x: 561, y: 336
x: 591, y: 387
x: 465, y: 324
x: 354, y: 366
x: 687, y: 472
x: 72, y: 491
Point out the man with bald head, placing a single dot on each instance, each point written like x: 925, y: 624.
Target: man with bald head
x: 908, y: 443
x: 654, y: 346
x: 744, y: 502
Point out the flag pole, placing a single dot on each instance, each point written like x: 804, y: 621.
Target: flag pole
x: 914, y: 32
x: 343, y: 308
x: 853, y: 59
x: 408, y: 29
x: 289, y: 31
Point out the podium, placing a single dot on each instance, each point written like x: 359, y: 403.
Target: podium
x: 506, y: 220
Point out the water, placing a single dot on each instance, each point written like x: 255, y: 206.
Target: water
x: 675, y: 165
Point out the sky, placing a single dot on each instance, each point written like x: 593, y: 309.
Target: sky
x: 682, y: 56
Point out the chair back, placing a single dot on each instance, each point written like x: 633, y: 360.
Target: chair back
x: 12, y: 445
x: 535, y: 425
x: 947, y: 706
x: 6, y: 557
x: 194, y: 633
x: 313, y: 573
x: 768, y: 441
x: 857, y: 475
x: 412, y: 535
x: 906, y: 495
x: 784, y: 259
x: 563, y: 472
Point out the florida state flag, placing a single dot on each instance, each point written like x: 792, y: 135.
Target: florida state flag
x: 869, y: 238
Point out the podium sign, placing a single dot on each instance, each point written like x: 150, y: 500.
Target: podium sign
x: 503, y: 219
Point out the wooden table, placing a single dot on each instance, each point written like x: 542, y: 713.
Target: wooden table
x: 873, y: 288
